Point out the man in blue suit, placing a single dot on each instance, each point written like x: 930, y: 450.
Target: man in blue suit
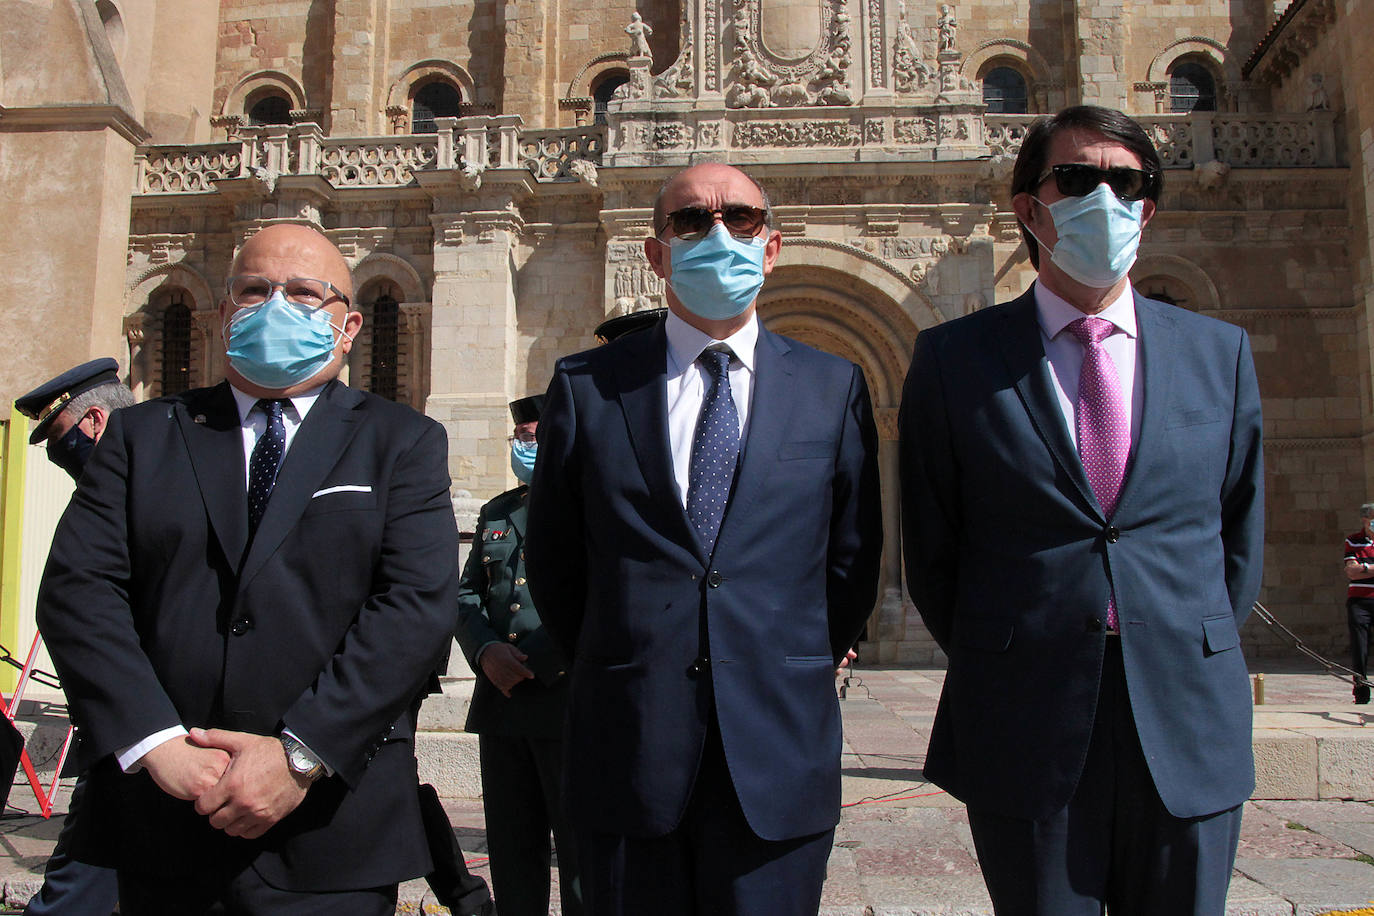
x: 704, y: 537
x: 1082, y: 505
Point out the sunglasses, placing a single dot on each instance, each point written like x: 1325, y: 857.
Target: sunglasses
x: 693, y: 223
x: 1074, y: 179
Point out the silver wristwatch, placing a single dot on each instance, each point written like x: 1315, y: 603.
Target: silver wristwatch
x: 300, y: 760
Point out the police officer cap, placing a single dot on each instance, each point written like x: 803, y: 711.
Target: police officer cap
x: 527, y: 410
x: 621, y: 325
x: 45, y: 402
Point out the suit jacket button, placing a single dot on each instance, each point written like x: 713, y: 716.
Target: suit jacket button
x: 714, y: 579
x: 514, y: 637
x: 240, y: 626
x: 1113, y: 534
x: 515, y: 606
x: 519, y: 580
x: 1094, y: 625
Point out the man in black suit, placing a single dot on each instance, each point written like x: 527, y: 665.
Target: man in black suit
x: 703, y: 543
x: 249, y: 589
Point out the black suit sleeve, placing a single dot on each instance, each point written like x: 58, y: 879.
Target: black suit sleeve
x: 402, y: 629
x: 85, y: 613
x: 555, y: 552
x: 1242, y: 495
x: 929, y: 477
x: 856, y: 524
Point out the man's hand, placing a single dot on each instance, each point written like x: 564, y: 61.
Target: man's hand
x: 183, y: 770
x: 1356, y: 569
x: 258, y: 788
x: 501, y: 663
x: 844, y: 662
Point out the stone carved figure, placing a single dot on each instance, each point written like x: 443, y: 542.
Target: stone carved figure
x: 639, y: 32
x: 948, y: 27
x: 1317, y: 97
x: 909, y: 71
x: 753, y: 80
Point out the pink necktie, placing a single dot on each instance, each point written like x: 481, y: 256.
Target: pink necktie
x: 1104, y: 430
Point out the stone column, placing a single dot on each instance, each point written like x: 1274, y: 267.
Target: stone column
x: 473, y: 323
x: 416, y: 318
x: 135, y: 333
x: 207, y: 323
x: 1100, y: 30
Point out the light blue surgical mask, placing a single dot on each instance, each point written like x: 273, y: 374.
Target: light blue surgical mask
x: 717, y: 277
x: 1099, y: 234
x: 277, y: 344
x: 522, y: 455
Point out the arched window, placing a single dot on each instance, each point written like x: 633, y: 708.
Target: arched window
x: 176, y: 347
x: 1191, y: 88
x: 605, y: 87
x: 436, y: 99
x: 385, y: 346
x: 1004, y: 91
x: 269, y: 108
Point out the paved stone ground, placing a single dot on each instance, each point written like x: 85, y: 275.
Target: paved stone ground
x: 903, y: 848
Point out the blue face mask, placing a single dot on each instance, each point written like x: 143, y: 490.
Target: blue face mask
x: 277, y: 345
x: 71, y: 451
x: 522, y: 455
x: 717, y: 277
x: 1099, y: 234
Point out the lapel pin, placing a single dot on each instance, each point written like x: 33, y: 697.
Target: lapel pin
x: 199, y: 418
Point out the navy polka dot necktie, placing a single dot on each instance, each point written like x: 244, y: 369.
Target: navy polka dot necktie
x: 715, y: 450
x: 266, y: 459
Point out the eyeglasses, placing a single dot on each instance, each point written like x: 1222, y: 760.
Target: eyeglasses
x: 527, y: 438
x: 693, y: 223
x: 249, y: 291
x: 1075, y: 179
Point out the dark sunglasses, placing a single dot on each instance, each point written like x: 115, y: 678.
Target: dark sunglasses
x: 1074, y: 179
x: 693, y: 223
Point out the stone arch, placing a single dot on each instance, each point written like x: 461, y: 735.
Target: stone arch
x: 858, y: 266
x: 424, y: 71
x: 580, y: 87
x: 235, y: 103
x: 1172, y: 271
x: 1033, y: 65
x: 181, y: 275
x: 143, y: 314
x: 1227, y: 70
x: 385, y: 266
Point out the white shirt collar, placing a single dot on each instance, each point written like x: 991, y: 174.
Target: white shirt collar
x: 301, y: 402
x: 685, y: 342
x: 1054, y: 313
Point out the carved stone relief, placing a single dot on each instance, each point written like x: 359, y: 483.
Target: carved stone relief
x: 678, y: 79
x: 761, y: 78
x: 753, y: 134
x: 634, y: 283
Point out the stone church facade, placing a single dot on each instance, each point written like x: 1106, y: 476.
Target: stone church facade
x: 488, y: 167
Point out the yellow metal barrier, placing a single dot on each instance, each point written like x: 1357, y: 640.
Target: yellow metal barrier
x: 13, y: 446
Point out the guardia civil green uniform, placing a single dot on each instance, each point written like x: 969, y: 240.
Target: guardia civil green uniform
x: 521, y: 735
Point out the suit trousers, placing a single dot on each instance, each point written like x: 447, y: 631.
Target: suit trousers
x: 1359, y: 614
x: 521, y: 782
x: 243, y: 894
x: 70, y: 887
x: 711, y: 864
x: 1114, y: 845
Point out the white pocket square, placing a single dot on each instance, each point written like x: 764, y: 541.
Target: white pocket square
x: 346, y: 488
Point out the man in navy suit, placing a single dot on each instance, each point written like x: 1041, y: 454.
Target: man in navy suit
x: 245, y: 596
x: 1082, y: 506
x: 704, y: 537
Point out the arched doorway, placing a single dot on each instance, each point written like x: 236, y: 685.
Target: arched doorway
x: 840, y: 312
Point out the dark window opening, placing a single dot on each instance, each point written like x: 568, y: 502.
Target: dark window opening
x: 385, y: 346
x: 176, y: 348
x: 1004, y: 91
x: 1191, y: 88
x: 270, y: 109
x: 604, y: 90
x: 434, y: 100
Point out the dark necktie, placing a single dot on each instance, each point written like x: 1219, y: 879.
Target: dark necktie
x: 266, y: 459
x: 715, y: 450
x: 1104, y: 430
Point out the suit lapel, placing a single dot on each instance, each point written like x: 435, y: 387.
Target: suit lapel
x: 315, y: 449
x: 1030, y: 372
x: 770, y: 414
x: 1154, y: 354
x: 642, y: 382
x: 213, y: 433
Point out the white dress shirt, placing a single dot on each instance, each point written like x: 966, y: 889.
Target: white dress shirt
x: 1065, y: 353
x: 254, y: 424
x: 688, y: 381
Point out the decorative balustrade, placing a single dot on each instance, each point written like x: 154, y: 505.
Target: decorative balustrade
x: 1238, y: 140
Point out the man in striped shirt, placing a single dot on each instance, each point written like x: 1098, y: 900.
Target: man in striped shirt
x: 1359, y: 602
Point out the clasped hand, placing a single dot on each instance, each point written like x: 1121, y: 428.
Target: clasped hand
x: 240, y: 781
